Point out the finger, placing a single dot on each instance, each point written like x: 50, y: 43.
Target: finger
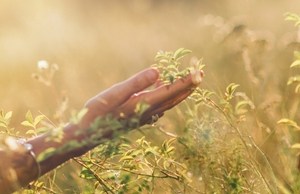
x: 167, y: 92
x: 154, y: 118
x: 169, y: 104
x: 119, y: 93
x: 164, y: 107
x: 160, y: 95
x: 158, y: 83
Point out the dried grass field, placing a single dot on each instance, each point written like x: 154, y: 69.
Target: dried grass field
x: 239, y: 138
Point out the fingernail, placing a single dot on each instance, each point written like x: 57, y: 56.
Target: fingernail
x: 202, y: 73
x: 197, y: 77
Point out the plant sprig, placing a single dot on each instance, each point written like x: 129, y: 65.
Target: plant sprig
x: 169, y: 65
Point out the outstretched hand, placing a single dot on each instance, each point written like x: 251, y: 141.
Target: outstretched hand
x: 121, y: 99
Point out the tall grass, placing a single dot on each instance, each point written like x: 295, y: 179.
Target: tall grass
x: 238, y: 133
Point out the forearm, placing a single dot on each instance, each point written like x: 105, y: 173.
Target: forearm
x: 20, y: 167
x: 42, y: 143
x: 109, y: 113
x: 76, y: 140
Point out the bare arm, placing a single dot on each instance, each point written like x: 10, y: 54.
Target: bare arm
x: 120, y: 101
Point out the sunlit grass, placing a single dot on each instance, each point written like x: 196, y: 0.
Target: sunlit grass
x: 97, y: 44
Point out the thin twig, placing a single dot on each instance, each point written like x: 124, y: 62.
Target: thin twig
x: 99, y: 179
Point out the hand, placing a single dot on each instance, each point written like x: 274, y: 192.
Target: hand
x: 121, y: 99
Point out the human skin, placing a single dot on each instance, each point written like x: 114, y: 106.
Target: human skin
x: 120, y: 100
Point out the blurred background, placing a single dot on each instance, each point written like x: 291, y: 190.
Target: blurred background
x: 96, y: 43
x: 92, y: 44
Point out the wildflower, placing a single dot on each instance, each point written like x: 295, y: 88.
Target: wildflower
x: 43, y: 64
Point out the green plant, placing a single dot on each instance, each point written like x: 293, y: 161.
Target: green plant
x: 222, y: 161
x: 289, y: 121
x: 210, y: 154
x: 170, y: 66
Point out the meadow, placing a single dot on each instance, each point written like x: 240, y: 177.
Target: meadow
x: 237, y: 133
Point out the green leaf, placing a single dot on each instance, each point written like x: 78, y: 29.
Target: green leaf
x: 171, y: 141
x: 293, y: 80
x: 141, y: 107
x: 42, y: 130
x: 27, y: 124
x: 29, y: 117
x: 170, y: 150
x: 151, y: 150
x: 81, y: 113
x: 31, y: 132
x: 297, y: 88
x: 289, y: 122
x: 3, y: 125
x: 230, y: 89
x: 296, y: 146
x: 77, y: 116
x: 164, y: 61
x: 5, y: 118
x: 126, y: 158
x: 141, y: 140
x: 179, y: 53
x: 38, y: 119
x: 86, y: 174
x: 46, y: 154
x: 8, y: 115
x: 293, y: 17
x: 124, y: 146
x: 39, y: 184
x: 295, y: 63
x: 128, y: 152
x: 136, y: 152
x: 242, y: 106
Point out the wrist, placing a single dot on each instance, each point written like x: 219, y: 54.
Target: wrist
x: 18, y: 166
x: 28, y: 149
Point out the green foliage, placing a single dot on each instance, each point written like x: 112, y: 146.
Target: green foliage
x: 209, y: 151
x: 230, y: 89
x: 288, y: 123
x: 32, y: 124
x: 5, y: 119
x: 77, y: 116
x: 169, y: 65
x: 293, y: 17
x: 228, y: 159
x: 212, y: 154
x: 296, y: 78
x: 222, y: 162
x: 132, y: 167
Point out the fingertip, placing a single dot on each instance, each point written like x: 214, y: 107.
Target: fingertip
x: 196, y: 77
x: 202, y: 73
x: 152, y: 74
